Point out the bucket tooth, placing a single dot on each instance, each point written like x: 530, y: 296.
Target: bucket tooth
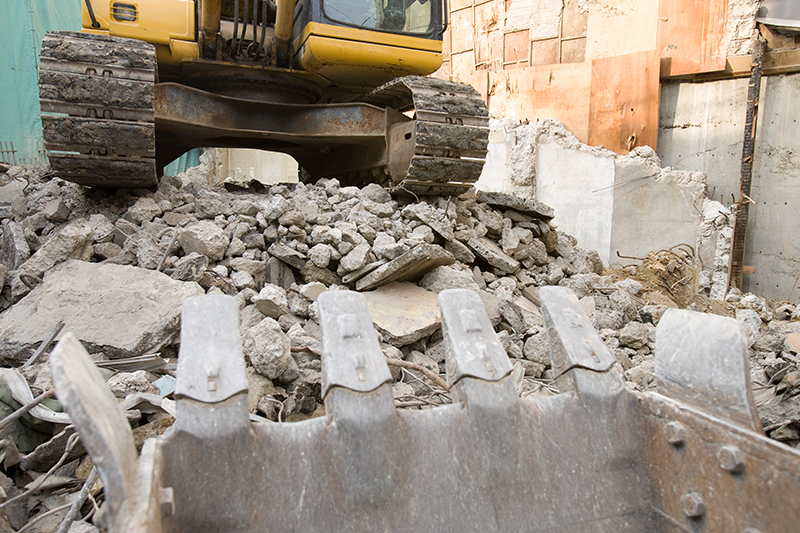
x: 211, y: 365
x: 356, y: 386
x: 701, y: 360
x: 574, y: 343
x: 477, y: 364
x: 352, y: 358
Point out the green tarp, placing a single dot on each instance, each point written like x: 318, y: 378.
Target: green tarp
x: 23, y: 24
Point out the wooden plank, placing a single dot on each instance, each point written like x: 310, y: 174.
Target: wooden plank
x: 691, y: 36
x: 623, y: 108
x: 780, y: 62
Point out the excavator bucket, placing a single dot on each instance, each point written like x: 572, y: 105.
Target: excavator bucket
x: 597, y: 457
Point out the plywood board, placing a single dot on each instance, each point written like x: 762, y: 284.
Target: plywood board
x: 462, y: 66
x: 619, y: 27
x: 488, y: 39
x: 553, y: 91
x: 462, y: 30
x: 456, y: 5
x: 691, y: 36
x: 562, y: 92
x: 516, y: 48
x: 623, y: 108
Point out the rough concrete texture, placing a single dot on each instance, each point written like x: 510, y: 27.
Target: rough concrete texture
x: 701, y: 126
x: 627, y: 205
x: 119, y: 310
x: 403, y: 312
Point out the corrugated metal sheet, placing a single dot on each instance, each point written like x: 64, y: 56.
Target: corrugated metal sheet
x: 22, y: 26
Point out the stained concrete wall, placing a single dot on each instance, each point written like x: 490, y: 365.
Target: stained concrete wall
x: 609, y: 203
x: 702, y: 127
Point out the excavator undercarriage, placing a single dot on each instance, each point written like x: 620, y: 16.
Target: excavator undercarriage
x: 109, y: 122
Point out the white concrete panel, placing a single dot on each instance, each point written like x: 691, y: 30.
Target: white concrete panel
x: 579, y: 187
x: 269, y: 168
x: 653, y: 210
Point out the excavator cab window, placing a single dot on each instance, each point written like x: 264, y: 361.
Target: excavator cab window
x: 405, y: 16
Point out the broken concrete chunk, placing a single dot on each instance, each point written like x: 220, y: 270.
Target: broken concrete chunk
x: 126, y: 383
x: 271, y: 301
x: 120, y: 310
x: 635, y: 335
x: 429, y: 215
x: 102, y: 228
x: 403, y: 312
x: 376, y: 193
x: 287, y: 255
x: 312, y: 273
x: 56, y: 210
x: 144, y: 210
x: 209, y: 204
x: 355, y: 259
x: 444, y: 277
x: 278, y: 273
x: 522, y: 205
x: 14, y: 249
x: 268, y: 348
x: 205, y: 238
x: 460, y: 251
x: 493, y: 255
x: 410, y: 266
x: 190, y: 267
x: 73, y: 241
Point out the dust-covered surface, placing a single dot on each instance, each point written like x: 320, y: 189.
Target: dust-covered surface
x: 275, y: 250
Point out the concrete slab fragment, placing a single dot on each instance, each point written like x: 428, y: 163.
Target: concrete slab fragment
x: 493, y: 255
x: 410, y: 266
x: 120, y: 310
x: 403, y: 312
x: 523, y: 205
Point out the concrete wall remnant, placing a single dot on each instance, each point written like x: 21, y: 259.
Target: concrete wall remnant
x: 701, y: 127
x: 611, y: 203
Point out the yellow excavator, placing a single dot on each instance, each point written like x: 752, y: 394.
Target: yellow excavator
x: 337, y: 84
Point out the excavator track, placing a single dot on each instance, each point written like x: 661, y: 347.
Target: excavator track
x: 97, y: 98
x: 450, y: 136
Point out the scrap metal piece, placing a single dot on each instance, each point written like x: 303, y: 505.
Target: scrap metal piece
x: 701, y: 360
x: 574, y: 343
x: 102, y: 425
x: 471, y: 344
x: 210, y: 363
x: 351, y: 356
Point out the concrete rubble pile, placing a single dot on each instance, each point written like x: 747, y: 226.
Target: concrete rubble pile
x: 114, y: 267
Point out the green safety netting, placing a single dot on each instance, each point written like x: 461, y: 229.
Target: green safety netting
x: 23, y: 24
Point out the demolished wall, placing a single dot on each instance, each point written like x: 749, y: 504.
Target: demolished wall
x: 622, y: 206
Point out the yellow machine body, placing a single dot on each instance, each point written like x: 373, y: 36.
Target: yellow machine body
x: 352, y: 56
x: 345, y: 56
x: 168, y: 24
